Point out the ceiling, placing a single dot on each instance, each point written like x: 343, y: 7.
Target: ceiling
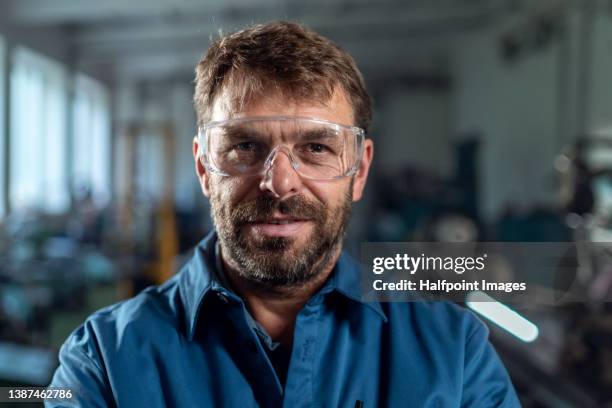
x: 156, y: 39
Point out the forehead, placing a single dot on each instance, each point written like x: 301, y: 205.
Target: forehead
x: 337, y: 109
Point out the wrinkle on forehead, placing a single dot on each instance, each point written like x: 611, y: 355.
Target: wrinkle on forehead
x: 279, y: 103
x: 280, y: 130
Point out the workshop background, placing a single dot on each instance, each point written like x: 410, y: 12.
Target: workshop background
x: 493, y: 122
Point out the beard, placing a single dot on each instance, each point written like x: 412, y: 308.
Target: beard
x: 273, y: 263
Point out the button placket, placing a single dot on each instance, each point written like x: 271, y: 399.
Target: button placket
x: 299, y: 384
x: 257, y: 366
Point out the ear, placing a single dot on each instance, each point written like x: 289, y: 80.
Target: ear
x: 364, y: 168
x: 203, y: 176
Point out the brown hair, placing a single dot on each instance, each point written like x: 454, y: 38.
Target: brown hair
x: 278, y: 58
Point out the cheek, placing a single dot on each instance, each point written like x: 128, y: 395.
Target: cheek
x: 333, y: 194
x: 231, y: 190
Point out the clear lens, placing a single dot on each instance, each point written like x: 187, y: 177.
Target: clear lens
x: 317, y: 149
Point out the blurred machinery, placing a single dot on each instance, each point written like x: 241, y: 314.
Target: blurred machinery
x: 569, y: 364
x: 418, y: 205
x: 50, y: 278
x: 55, y: 270
x: 586, y: 193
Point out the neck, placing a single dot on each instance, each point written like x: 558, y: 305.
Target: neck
x: 276, y: 309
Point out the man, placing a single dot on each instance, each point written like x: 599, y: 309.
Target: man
x: 268, y: 312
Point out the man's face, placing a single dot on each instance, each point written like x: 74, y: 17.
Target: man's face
x: 279, y: 229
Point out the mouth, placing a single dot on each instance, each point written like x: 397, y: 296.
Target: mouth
x: 278, y: 226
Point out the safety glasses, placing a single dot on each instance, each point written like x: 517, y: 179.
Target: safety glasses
x: 317, y: 149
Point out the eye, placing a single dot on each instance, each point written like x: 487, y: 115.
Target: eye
x: 316, y: 148
x: 245, y: 146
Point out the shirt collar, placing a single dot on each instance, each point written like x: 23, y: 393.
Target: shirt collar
x: 346, y: 280
x: 199, y: 277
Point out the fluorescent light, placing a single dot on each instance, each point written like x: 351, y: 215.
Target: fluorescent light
x: 502, y: 316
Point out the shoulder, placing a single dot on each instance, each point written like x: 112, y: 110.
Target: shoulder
x: 439, y: 322
x: 154, y: 318
x: 155, y: 311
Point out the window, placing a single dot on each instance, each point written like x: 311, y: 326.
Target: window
x: 3, y: 134
x: 38, y: 134
x: 91, y: 143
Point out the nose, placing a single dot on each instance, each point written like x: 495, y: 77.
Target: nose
x: 280, y: 178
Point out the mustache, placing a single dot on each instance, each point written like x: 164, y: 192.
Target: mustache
x: 264, y: 206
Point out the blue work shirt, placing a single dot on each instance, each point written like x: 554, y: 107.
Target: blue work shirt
x: 191, y: 343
